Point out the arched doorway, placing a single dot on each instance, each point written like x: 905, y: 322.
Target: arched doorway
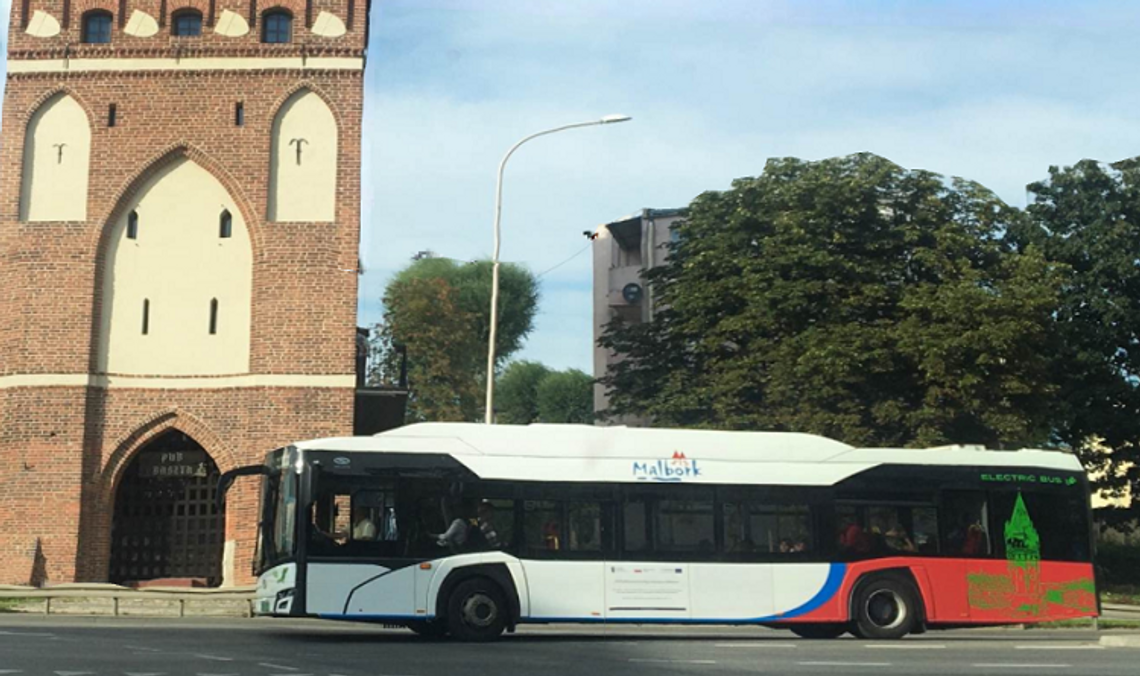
x: 166, y: 521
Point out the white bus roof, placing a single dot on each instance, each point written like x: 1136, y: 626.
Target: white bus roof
x: 543, y: 452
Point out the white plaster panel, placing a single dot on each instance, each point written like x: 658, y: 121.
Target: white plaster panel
x: 238, y: 63
x: 231, y: 25
x: 42, y: 25
x: 303, y: 187
x: 57, y: 155
x: 328, y: 26
x: 179, y: 263
x: 141, y: 25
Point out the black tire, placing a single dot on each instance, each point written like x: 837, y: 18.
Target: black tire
x: 476, y: 610
x: 885, y: 607
x: 818, y: 631
x: 429, y: 629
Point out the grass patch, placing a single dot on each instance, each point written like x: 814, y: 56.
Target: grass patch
x: 1086, y: 623
x: 10, y: 605
x: 1128, y: 594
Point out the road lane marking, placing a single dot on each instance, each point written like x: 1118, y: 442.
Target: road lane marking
x: 916, y: 646
x: 11, y: 671
x: 144, y: 673
x: 1021, y: 666
x: 216, y: 658
x: 844, y: 664
x: 280, y: 666
x: 72, y: 673
x: 660, y: 661
x: 25, y: 633
x: 756, y: 645
x: 142, y: 648
x: 1058, y: 647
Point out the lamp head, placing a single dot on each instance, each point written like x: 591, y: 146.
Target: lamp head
x: 611, y: 119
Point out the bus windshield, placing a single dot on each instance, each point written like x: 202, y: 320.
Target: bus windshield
x: 279, y: 521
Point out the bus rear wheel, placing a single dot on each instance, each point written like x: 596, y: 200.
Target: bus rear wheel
x: 885, y: 607
x: 476, y: 611
x: 819, y: 631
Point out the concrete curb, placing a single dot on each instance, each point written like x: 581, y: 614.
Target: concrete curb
x: 1121, y: 641
x: 113, y: 600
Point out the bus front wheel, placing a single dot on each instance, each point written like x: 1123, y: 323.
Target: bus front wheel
x: 885, y: 607
x: 476, y: 610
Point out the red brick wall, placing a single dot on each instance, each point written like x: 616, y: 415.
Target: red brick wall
x: 63, y: 448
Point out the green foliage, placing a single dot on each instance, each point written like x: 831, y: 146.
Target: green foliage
x: 849, y: 298
x: 530, y: 392
x: 1119, y: 565
x: 1087, y: 218
x: 516, y: 392
x: 566, y: 397
x: 438, y: 312
x: 518, y: 297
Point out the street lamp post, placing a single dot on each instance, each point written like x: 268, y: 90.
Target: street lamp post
x: 608, y: 119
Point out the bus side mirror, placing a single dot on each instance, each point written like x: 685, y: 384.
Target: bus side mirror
x: 227, y: 480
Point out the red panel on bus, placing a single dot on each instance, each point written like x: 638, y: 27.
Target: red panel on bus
x: 980, y: 591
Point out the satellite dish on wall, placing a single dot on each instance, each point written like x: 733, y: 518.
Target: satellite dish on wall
x: 632, y: 293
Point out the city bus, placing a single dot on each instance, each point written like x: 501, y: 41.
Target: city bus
x: 469, y: 530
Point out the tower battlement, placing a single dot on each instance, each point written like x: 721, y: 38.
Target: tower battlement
x: 51, y: 29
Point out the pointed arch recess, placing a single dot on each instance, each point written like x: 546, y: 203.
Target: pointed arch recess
x: 128, y: 445
x: 55, y: 164
x: 160, y: 161
x: 304, y: 190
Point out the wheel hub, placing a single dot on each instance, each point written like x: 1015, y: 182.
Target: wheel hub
x: 886, y: 609
x: 479, y: 610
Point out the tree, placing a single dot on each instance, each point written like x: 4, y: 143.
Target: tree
x: 566, y: 397
x: 518, y: 297
x: 1087, y: 218
x: 516, y: 393
x: 850, y: 298
x: 436, y: 311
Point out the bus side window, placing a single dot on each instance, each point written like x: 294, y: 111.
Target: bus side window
x: 636, y: 526
x: 542, y: 527
x: 965, y: 515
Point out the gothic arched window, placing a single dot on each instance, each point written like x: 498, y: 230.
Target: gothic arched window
x: 225, y: 225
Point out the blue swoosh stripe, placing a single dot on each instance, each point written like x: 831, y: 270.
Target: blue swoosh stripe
x: 831, y: 585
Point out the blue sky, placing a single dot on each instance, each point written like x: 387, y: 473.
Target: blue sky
x: 993, y: 90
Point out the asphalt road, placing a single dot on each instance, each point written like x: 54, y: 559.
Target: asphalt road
x: 49, y: 646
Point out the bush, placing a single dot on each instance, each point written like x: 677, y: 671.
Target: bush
x: 1118, y: 564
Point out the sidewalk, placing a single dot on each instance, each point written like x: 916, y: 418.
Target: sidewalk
x: 113, y: 600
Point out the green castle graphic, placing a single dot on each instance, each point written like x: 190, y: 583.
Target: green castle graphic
x: 1022, y: 543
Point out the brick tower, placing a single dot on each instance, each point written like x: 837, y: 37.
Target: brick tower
x: 179, y: 224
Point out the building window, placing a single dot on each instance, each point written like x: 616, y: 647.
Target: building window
x: 187, y: 23
x: 214, y: 317
x: 96, y: 28
x: 146, y: 316
x: 239, y: 114
x: 111, y: 115
x: 277, y: 27
x: 133, y: 225
x: 225, y: 225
